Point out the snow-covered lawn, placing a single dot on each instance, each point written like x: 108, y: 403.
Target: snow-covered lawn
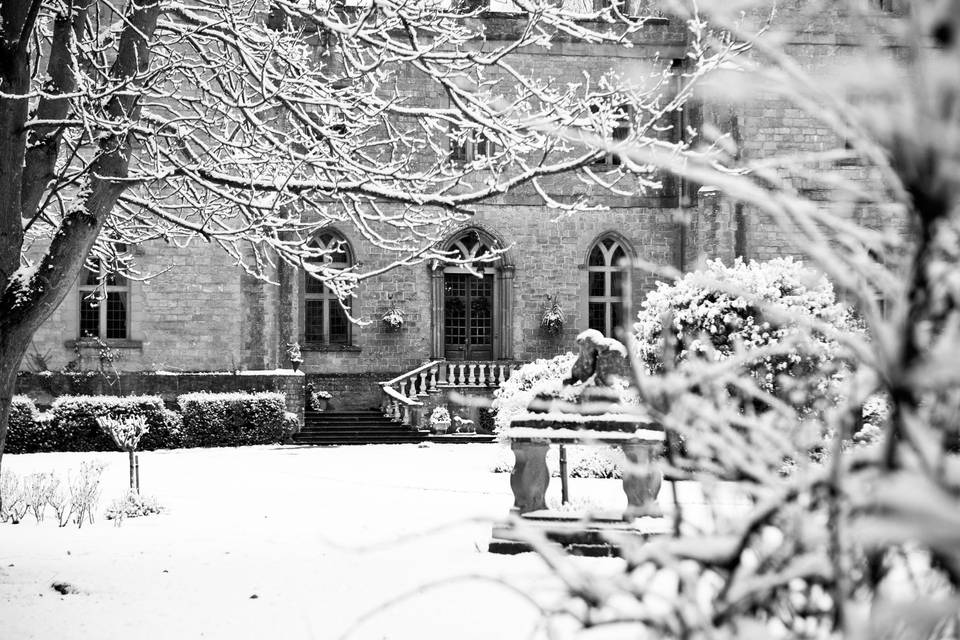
x: 282, y: 542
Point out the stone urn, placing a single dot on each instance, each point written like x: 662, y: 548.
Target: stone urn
x: 441, y: 427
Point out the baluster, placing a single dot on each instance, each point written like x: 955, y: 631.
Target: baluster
x: 411, y: 388
x: 503, y: 375
x: 396, y: 411
x: 472, y: 376
x: 423, y: 382
x: 433, y: 378
x: 461, y: 376
x: 406, y: 414
x: 482, y: 381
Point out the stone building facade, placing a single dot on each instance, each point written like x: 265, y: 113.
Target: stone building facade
x: 199, y: 312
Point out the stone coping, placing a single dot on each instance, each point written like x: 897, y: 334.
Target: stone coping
x: 582, y: 436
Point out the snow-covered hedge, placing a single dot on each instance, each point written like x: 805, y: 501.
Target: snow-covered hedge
x: 749, y: 305
x: 74, y: 421
x: 71, y: 424
x: 232, y: 419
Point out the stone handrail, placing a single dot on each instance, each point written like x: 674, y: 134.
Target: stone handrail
x: 400, y: 394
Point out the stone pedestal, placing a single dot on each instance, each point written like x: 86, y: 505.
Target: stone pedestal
x: 641, y: 480
x: 641, y: 441
x: 530, y: 476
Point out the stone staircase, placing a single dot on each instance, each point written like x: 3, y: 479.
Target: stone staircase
x: 354, y: 427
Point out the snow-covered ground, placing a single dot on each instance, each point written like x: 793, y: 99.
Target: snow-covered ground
x: 283, y: 542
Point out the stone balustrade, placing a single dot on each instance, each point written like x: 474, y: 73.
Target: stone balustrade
x: 475, y: 373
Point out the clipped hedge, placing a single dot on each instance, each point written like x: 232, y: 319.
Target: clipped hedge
x: 25, y: 433
x: 232, y: 419
x: 74, y: 426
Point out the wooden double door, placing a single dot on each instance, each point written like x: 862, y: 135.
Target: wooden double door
x: 468, y: 306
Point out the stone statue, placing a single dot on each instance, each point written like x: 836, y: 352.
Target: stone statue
x: 599, y: 357
x: 599, y: 362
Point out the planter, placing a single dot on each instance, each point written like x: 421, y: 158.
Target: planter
x: 295, y: 365
x: 322, y: 404
x: 440, y: 427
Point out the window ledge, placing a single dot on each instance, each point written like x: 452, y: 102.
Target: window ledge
x: 331, y: 347
x: 87, y: 343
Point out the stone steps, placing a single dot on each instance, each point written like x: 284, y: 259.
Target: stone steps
x: 354, y: 427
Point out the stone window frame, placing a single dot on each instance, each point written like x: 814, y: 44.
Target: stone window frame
x: 620, y: 133
x: 475, y: 145
x: 504, y: 270
x: 339, y: 241
x: 894, y: 7
x: 101, y: 285
x: 608, y: 299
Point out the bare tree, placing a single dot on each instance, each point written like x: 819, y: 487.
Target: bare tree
x: 840, y: 540
x: 252, y: 125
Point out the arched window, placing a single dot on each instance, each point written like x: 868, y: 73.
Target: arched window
x: 470, y: 246
x: 605, y: 266
x: 104, y: 303
x: 324, y: 320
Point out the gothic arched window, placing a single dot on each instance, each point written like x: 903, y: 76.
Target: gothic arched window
x: 324, y: 320
x: 605, y: 267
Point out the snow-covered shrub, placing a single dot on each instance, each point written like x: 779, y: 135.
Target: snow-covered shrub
x: 74, y: 425
x: 37, y: 491
x: 232, y: 419
x: 544, y: 376
x: 598, y: 462
x: 876, y: 411
x: 13, y: 505
x: 25, y: 434
x: 85, y: 492
x: 779, y: 305
x: 291, y: 424
x: 539, y: 376
x: 504, y: 462
x: 132, y: 505
x: 59, y: 501
x: 587, y: 461
x: 126, y: 432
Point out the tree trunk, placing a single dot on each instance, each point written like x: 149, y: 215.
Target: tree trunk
x: 27, y: 301
x: 11, y: 354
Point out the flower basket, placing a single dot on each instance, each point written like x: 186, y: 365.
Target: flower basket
x: 440, y: 420
x: 320, y: 400
x: 552, y: 319
x: 393, y: 319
